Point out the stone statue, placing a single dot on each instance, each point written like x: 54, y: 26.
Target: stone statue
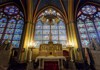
x: 6, y: 45
x: 5, y: 52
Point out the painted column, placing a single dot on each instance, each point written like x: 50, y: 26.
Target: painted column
x: 28, y: 30
x: 73, y: 40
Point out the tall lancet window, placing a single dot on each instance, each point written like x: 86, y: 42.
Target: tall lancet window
x: 11, y: 24
x: 50, y: 27
x: 88, y: 23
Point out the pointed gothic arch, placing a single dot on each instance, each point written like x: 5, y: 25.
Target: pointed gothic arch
x: 11, y: 24
x: 42, y: 30
x: 88, y: 17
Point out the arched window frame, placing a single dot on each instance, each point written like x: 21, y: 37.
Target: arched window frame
x: 89, y: 32
x: 53, y: 28
x: 15, y: 28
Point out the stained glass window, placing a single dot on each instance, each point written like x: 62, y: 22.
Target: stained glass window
x: 11, y: 24
x: 42, y: 32
x: 88, y: 23
x: 11, y: 10
x: 89, y: 9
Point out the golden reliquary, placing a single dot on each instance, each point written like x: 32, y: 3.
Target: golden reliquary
x: 50, y: 49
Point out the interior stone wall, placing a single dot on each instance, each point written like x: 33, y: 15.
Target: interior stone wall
x: 96, y: 57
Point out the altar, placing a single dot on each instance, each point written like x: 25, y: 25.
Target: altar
x: 50, y: 49
x: 50, y: 54
x: 43, y: 59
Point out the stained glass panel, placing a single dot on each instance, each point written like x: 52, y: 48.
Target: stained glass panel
x: 61, y: 27
x: 91, y: 29
x: 89, y: 9
x: 38, y: 32
x: 37, y: 43
x: 54, y: 27
x: 18, y: 31
x: 47, y: 32
x: 38, y: 27
x: 85, y: 43
x: 54, y: 32
x: 55, y: 42
x: 38, y: 37
x: 12, y: 21
x: 89, y: 24
x: 46, y: 37
x: 81, y: 25
x: 11, y: 25
x: 97, y: 23
x: 16, y: 43
x: 1, y: 30
x: 19, y: 26
x: 62, y: 32
x: 82, y: 30
x: 54, y: 37
x: 46, y: 27
x: 83, y: 36
x: 92, y: 35
x: 82, y: 17
x: 17, y: 37
x: 11, y: 10
x: 39, y: 23
x: 63, y: 43
x: 62, y: 37
x: 45, y: 42
x: 20, y: 22
x: 21, y: 14
x: 2, y: 24
x: 3, y: 20
x: 9, y: 31
x: 98, y: 28
x: 98, y: 14
x: 61, y: 23
x: 6, y: 36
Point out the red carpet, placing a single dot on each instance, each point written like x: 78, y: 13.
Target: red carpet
x: 51, y: 65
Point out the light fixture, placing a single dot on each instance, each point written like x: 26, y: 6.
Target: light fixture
x: 30, y: 45
x: 50, y: 16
